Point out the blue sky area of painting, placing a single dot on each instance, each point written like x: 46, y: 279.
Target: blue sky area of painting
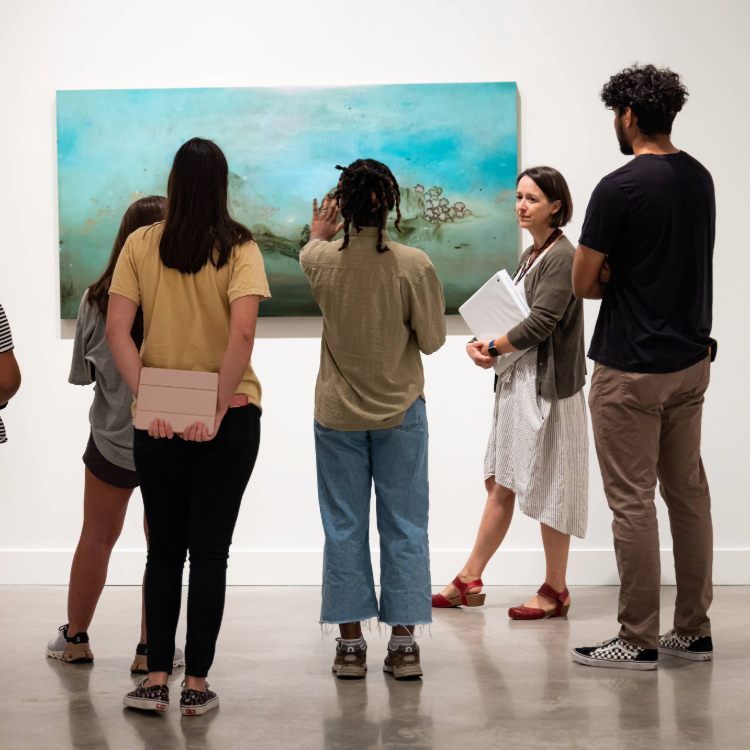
x: 285, y: 143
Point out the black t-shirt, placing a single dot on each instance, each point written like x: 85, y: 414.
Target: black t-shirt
x: 654, y: 218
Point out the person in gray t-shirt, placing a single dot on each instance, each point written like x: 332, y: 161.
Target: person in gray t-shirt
x: 110, y: 415
x: 110, y: 472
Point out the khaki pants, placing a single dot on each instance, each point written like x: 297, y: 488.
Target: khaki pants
x: 648, y: 427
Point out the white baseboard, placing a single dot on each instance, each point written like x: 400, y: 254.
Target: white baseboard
x: 303, y: 567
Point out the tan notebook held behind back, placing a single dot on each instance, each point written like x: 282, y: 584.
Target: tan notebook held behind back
x: 179, y: 397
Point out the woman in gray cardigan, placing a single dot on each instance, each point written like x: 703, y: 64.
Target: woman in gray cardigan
x: 538, y: 448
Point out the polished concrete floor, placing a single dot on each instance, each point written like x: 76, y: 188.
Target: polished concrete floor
x: 489, y: 682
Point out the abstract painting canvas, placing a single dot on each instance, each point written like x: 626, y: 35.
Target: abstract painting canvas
x: 452, y: 148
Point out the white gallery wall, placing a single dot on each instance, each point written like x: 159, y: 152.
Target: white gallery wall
x: 559, y: 53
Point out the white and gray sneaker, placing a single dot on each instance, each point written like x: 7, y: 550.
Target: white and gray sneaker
x: 72, y: 650
x: 693, y: 647
x: 140, y: 663
x: 617, y: 654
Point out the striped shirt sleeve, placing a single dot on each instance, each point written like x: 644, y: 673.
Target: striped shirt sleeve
x: 6, y: 345
x: 6, y: 342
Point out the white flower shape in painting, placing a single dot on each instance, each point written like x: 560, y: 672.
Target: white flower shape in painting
x: 439, y: 210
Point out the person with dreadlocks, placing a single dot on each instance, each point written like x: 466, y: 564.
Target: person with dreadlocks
x: 382, y: 305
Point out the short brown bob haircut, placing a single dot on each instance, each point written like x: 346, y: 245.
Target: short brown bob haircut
x: 553, y: 185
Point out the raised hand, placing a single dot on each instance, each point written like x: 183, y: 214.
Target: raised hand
x: 325, y: 222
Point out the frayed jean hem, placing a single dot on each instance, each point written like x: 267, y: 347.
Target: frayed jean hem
x: 346, y: 622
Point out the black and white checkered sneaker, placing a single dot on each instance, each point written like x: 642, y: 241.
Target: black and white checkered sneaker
x: 617, y: 654
x: 694, y: 647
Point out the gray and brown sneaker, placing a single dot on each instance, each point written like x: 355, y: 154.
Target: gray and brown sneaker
x: 350, y: 662
x: 403, y: 663
x: 197, y: 702
x: 153, y: 698
x: 140, y: 663
x: 73, y: 650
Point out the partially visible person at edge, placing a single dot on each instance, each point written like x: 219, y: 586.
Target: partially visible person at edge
x: 382, y: 304
x: 646, y: 250
x: 537, y: 453
x: 10, y: 375
x: 199, y: 278
x: 109, y: 474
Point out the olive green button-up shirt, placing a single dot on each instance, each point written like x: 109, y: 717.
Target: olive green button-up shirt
x: 380, y: 310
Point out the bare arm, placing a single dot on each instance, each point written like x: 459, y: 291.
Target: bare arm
x: 10, y: 377
x: 239, y: 348
x: 244, y: 311
x: 590, y: 273
x: 120, y: 316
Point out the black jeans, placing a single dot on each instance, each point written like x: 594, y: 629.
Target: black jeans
x: 192, y: 494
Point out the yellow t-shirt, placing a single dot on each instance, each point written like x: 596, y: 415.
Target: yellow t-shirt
x: 186, y: 316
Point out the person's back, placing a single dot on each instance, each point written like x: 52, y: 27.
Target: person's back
x: 186, y: 316
x: 382, y: 303
x: 199, y: 279
x: 660, y: 216
x: 379, y: 311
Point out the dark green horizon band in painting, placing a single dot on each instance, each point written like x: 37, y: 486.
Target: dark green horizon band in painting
x: 452, y: 148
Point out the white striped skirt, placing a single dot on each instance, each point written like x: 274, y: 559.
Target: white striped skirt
x: 539, y: 449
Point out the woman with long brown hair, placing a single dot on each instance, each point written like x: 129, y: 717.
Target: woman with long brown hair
x: 110, y: 476
x: 199, y: 278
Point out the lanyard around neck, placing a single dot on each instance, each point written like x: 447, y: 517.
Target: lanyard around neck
x: 535, y: 255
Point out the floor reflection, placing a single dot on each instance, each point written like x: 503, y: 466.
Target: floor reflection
x: 691, y: 685
x: 84, y: 724
x: 351, y: 726
x: 493, y: 693
x: 405, y: 725
x: 634, y: 714
x: 195, y: 730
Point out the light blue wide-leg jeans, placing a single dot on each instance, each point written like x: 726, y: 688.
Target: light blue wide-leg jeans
x: 348, y: 463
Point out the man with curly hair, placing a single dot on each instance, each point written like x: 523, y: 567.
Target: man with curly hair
x: 646, y: 251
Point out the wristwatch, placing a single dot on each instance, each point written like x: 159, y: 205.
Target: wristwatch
x: 491, y: 349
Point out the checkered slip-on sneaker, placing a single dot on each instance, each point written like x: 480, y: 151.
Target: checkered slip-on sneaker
x: 154, y: 698
x: 693, y: 647
x: 198, y: 702
x: 617, y: 654
x: 350, y: 662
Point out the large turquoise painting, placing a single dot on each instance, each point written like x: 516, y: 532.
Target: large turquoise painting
x: 452, y: 148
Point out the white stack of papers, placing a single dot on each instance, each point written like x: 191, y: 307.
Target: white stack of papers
x: 496, y: 308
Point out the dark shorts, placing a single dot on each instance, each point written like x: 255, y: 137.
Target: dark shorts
x: 106, y: 471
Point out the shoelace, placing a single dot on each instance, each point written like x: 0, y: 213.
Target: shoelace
x: 606, y: 643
